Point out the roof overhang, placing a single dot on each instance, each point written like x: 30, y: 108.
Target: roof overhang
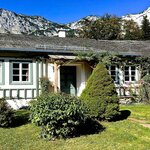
x: 60, y: 53
x: 41, y: 51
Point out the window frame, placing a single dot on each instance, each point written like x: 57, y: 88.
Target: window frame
x: 116, y: 73
x: 130, y: 75
x: 20, y: 75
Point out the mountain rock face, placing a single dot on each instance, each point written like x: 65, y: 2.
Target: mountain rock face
x: 13, y: 23
x: 138, y: 17
x: 80, y: 23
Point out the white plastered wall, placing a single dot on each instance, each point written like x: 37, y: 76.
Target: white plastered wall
x: 9, y: 86
x: 19, y: 95
x: 51, y: 74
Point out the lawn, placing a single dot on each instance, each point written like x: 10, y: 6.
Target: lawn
x: 138, y: 111
x: 119, y: 135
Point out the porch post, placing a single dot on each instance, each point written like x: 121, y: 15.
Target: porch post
x: 37, y: 78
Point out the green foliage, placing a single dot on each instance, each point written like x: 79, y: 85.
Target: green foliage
x: 146, y: 78
x: 88, y: 56
x: 106, y: 28
x: 144, y: 63
x: 21, y: 117
x: 144, y: 93
x: 6, y: 114
x: 70, y: 33
x: 59, y: 115
x: 93, y: 58
x: 44, y: 84
x: 131, y: 30
x: 145, y: 28
x: 100, y: 94
x: 110, y: 27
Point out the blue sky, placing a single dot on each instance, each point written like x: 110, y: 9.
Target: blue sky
x: 65, y: 11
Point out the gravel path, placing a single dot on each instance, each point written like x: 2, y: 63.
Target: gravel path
x: 141, y: 122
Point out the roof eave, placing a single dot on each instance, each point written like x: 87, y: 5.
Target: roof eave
x: 30, y: 50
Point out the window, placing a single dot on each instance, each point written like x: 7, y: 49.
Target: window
x: 113, y: 70
x: 1, y: 66
x: 130, y: 73
x: 20, y: 71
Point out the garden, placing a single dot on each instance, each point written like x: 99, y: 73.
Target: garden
x: 118, y: 135
x: 95, y: 120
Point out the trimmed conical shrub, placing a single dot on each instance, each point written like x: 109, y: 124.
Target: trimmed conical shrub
x: 100, y: 94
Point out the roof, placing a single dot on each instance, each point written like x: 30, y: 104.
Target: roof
x: 66, y: 45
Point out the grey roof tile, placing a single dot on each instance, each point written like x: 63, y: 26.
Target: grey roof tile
x: 33, y: 42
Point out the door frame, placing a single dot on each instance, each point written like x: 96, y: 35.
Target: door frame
x: 81, y: 78
x: 74, y: 74
x: 76, y: 65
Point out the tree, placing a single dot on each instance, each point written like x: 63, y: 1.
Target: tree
x: 145, y: 28
x: 106, y: 28
x: 131, y: 30
x: 70, y: 33
x: 100, y: 94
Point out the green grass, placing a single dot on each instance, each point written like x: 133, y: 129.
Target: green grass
x: 120, y: 135
x: 138, y: 111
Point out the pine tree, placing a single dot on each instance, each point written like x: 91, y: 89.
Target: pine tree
x: 106, y: 28
x: 145, y: 28
x: 100, y: 94
x: 131, y: 30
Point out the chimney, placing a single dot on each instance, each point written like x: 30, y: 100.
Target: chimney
x: 62, y: 33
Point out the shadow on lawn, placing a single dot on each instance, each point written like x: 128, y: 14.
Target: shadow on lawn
x: 124, y: 114
x: 21, y: 117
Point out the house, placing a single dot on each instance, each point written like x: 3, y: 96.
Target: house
x: 25, y: 59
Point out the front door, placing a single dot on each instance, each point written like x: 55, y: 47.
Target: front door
x: 68, y: 79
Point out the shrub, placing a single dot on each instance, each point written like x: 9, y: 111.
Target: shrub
x: 100, y: 94
x: 21, y: 117
x: 144, y: 92
x: 6, y: 114
x: 59, y: 115
x: 44, y: 84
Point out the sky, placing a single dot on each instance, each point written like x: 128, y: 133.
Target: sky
x: 66, y: 11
